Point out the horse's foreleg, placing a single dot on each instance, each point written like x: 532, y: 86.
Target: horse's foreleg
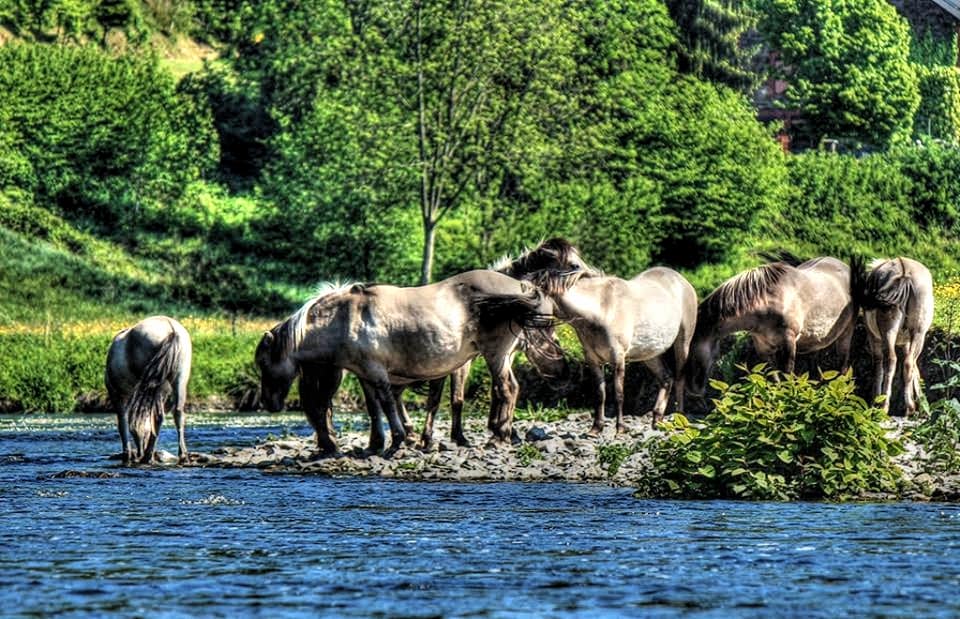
x: 600, y: 398
x: 458, y: 383
x: 681, y: 350
x: 433, y: 404
x: 381, y: 389
x: 665, y: 381
x: 789, y: 351
x: 318, y: 414
x: 397, y: 391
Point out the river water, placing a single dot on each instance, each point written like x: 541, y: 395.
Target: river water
x: 182, y: 542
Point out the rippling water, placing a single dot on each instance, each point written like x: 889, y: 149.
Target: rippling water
x: 171, y: 542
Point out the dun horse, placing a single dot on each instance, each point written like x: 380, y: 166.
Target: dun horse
x: 786, y: 308
x: 145, y: 364
x: 897, y: 299
x: 393, y: 336
x: 649, y: 318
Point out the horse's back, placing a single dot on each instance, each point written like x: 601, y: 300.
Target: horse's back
x: 133, y: 348
x: 916, y: 283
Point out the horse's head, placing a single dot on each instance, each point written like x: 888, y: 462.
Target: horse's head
x: 278, y: 370
x: 554, y: 266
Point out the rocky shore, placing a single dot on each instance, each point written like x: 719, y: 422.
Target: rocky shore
x: 548, y: 451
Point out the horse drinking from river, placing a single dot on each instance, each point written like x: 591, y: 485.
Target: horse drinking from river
x: 393, y: 336
x: 787, y: 309
x: 649, y: 318
x: 145, y: 364
x: 897, y: 300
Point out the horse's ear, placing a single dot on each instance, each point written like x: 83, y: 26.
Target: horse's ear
x: 268, y: 337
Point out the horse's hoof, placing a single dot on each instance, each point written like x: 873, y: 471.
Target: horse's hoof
x: 621, y: 429
x: 594, y: 432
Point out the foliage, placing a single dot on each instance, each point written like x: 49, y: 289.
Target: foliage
x: 776, y: 437
x: 902, y: 202
x: 612, y: 455
x: 101, y: 133
x: 929, y: 50
x: 939, y: 113
x: 711, y: 36
x: 847, y: 65
x: 527, y: 454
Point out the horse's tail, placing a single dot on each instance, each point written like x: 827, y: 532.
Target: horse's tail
x: 525, y: 308
x: 146, y: 406
x: 781, y: 255
x: 888, y: 286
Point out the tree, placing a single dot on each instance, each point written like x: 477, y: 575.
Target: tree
x: 711, y: 41
x: 847, y: 65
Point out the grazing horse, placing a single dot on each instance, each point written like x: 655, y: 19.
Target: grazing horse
x: 649, y: 318
x: 786, y: 308
x: 897, y: 299
x: 145, y: 364
x: 393, y: 336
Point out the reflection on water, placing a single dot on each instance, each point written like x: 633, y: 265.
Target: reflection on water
x: 198, y: 542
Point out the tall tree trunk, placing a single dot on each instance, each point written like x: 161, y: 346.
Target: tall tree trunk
x: 426, y: 266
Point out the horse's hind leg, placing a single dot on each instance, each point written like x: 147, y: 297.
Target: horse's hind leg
x: 397, y: 391
x: 889, y: 324
x: 600, y: 399
x: 911, y: 373
x: 179, y: 405
x: 619, y: 370
x: 458, y: 383
x: 665, y: 380
x: 433, y: 403
x: 377, y: 438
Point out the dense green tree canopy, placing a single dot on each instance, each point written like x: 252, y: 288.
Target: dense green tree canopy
x: 847, y: 63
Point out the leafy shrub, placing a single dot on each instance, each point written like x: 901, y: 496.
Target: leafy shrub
x: 939, y: 113
x: 101, y: 133
x: 794, y: 439
x: 612, y: 455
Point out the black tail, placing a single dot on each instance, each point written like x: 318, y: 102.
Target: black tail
x: 781, y: 255
x: 146, y: 405
x: 525, y: 309
x: 888, y: 286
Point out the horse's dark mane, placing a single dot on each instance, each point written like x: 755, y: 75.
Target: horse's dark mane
x: 289, y: 333
x: 887, y: 285
x: 542, y: 266
x: 741, y: 293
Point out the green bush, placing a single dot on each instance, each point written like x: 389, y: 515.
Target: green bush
x: 795, y: 438
x: 939, y: 113
x: 101, y: 134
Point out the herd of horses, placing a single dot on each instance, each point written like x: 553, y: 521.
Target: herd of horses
x: 391, y: 337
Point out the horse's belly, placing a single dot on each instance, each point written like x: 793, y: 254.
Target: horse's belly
x: 819, y: 330
x: 651, y: 340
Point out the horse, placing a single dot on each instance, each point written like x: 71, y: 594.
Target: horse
x: 787, y: 306
x: 897, y: 299
x: 389, y: 336
x: 146, y: 363
x: 649, y: 318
